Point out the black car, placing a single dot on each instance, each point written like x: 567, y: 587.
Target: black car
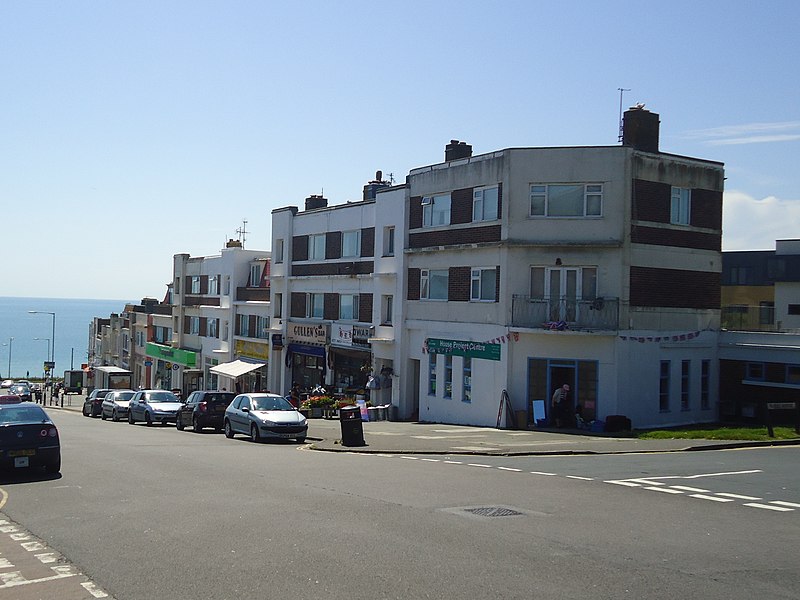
x: 93, y: 405
x: 28, y: 438
x: 204, y: 409
x: 21, y: 390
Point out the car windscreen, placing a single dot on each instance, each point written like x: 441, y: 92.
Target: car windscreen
x: 270, y: 403
x: 121, y: 396
x: 161, y: 397
x: 21, y: 414
x: 220, y: 398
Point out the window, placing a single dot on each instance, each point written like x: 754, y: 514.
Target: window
x: 567, y: 200
x: 315, y: 306
x: 278, y: 251
x: 433, y: 284
x: 194, y: 325
x: 754, y: 371
x: 483, y: 285
x: 243, y: 322
x: 663, y: 387
x: 680, y: 206
x: 195, y: 284
x: 224, y: 335
x: 739, y: 275
x: 388, y: 241
x: 348, y: 307
x: 255, y: 275
x: 351, y: 244
x: 277, y: 305
x: 213, y: 285
x: 387, y: 307
x: 436, y: 210
x: 685, y: 369
x: 467, y: 379
x: 431, y: 374
x: 766, y: 313
x: 566, y: 290
x: 793, y: 374
x: 316, y: 247
x: 262, y: 327
x: 484, y: 204
x: 705, y: 384
x: 227, y: 289
x: 211, y: 327
x: 448, y: 376
x: 793, y: 309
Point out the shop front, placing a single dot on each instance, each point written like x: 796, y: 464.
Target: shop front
x: 306, y: 355
x: 173, y: 368
x: 255, y: 380
x: 350, y: 358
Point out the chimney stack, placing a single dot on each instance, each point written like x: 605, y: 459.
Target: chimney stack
x: 640, y: 129
x: 316, y: 201
x: 456, y: 149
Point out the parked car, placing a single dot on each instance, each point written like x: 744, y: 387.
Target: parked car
x: 21, y: 390
x: 204, y: 408
x: 93, y: 404
x: 153, y: 406
x: 28, y: 438
x: 115, y: 404
x: 7, y: 383
x: 264, y: 416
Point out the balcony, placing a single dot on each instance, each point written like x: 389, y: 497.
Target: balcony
x: 565, y: 313
x: 244, y: 294
x: 740, y: 317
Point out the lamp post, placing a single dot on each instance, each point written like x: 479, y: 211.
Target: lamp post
x: 48, y: 344
x: 52, y: 314
x: 10, y: 341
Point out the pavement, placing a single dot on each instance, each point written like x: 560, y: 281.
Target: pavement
x: 400, y: 437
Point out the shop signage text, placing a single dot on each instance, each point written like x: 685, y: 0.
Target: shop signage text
x: 303, y: 333
x: 464, y: 348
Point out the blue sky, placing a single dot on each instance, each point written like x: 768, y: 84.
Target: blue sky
x: 133, y: 131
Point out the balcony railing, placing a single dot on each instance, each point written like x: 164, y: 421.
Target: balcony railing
x: 739, y: 317
x: 252, y: 293
x: 565, y: 313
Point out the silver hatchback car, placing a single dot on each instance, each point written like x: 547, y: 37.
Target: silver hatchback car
x: 115, y: 405
x: 264, y: 416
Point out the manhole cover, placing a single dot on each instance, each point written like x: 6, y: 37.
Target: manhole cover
x: 493, y: 511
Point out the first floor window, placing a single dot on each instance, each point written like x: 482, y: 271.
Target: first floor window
x: 484, y: 285
x: 387, y: 307
x: 685, y: 370
x: 467, y: 379
x: 680, y: 206
x: 388, y: 241
x: 243, y: 322
x: 433, y: 284
x: 663, y: 387
x: 348, y: 307
x: 705, y: 384
x: 194, y: 325
x: 436, y: 210
x: 212, y: 326
x: 315, y: 307
x: 262, y: 327
x: 195, y: 284
x: 566, y: 200
x: 351, y: 244
x: 213, y: 285
x: 277, y: 305
x: 255, y: 275
x: 316, y: 247
x: 278, y: 251
x: 431, y: 374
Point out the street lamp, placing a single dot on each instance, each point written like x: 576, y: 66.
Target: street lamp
x: 10, y: 341
x: 52, y: 314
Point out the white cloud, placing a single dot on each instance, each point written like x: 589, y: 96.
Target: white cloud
x: 748, y: 133
x: 752, y: 224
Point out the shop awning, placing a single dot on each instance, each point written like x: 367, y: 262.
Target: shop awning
x: 236, y: 368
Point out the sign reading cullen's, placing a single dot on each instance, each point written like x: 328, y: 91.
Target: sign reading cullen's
x: 463, y: 348
x: 305, y: 333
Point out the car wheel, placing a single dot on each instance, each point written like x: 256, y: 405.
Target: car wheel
x: 196, y: 426
x: 254, y: 435
x: 301, y: 440
x: 148, y: 420
x: 228, y: 430
x: 131, y: 420
x: 179, y: 423
x: 103, y: 415
x: 85, y: 413
x: 114, y: 416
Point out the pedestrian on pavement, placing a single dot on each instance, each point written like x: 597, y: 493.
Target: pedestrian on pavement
x: 558, y: 405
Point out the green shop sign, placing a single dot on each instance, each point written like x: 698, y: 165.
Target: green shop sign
x: 187, y: 358
x: 461, y: 348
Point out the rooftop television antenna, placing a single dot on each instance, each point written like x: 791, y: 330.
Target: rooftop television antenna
x: 242, y: 232
x: 621, y: 91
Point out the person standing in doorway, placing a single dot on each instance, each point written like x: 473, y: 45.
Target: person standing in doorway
x: 558, y: 405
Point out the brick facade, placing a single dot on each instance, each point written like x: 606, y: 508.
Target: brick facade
x: 674, y: 288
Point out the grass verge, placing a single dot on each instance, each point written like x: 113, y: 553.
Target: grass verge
x: 718, y: 432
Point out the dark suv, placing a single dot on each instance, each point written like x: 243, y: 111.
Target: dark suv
x: 205, y: 408
x: 93, y: 405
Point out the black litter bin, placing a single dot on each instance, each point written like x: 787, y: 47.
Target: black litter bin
x: 352, y: 429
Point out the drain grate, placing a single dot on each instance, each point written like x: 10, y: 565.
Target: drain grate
x: 493, y: 511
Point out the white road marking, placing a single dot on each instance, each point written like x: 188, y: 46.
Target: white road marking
x: 580, y: 478
x: 48, y: 557
x: 664, y: 489
x: 646, y: 481
x: 510, y: 469
x: 737, y: 496
x: 479, y: 465
x: 768, y: 506
x: 712, y: 498
x: 23, y: 581
x: 541, y: 473
x: 453, y: 462
x: 20, y: 537
x: 623, y: 482
x: 32, y: 546
x: 431, y: 460
x: 782, y: 503
x: 410, y: 457
x: 94, y: 590
x: 686, y: 488
x: 5, y: 564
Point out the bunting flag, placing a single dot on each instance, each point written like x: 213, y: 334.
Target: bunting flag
x: 680, y: 337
